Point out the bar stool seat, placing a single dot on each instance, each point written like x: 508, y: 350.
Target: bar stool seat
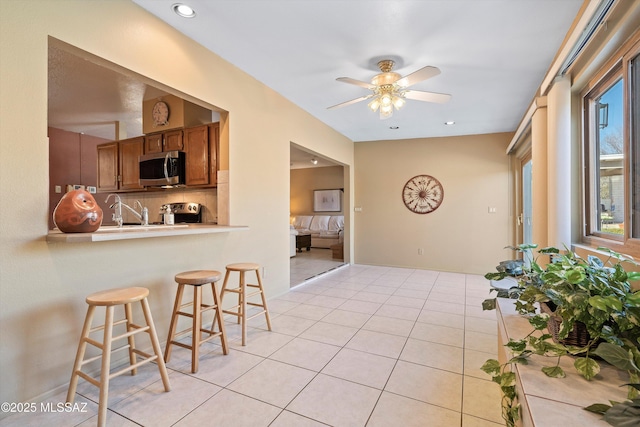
x: 110, y: 299
x: 240, y: 310
x: 196, y: 278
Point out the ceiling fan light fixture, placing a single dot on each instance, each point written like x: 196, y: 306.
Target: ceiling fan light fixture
x: 387, y: 97
x: 398, y: 102
x: 386, y: 111
x: 390, y: 89
x: 373, y: 105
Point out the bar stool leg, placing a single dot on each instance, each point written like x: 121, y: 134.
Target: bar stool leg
x: 195, y: 331
x: 156, y: 344
x: 243, y: 307
x: 217, y: 300
x: 174, y: 322
x: 82, y: 347
x: 224, y: 283
x: 132, y: 344
x: 224, y: 287
x: 264, y: 300
x: 106, y: 365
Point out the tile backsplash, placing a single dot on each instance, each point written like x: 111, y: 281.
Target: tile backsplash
x: 153, y: 200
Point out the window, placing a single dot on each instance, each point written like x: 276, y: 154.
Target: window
x: 612, y: 156
x: 635, y: 146
x: 607, y: 150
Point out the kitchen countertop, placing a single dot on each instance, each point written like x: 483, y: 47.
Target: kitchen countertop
x: 111, y: 233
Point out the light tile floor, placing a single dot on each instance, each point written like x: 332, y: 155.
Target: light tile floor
x: 309, y: 264
x: 359, y: 346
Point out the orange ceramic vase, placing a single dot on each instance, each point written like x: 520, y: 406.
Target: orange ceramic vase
x: 77, y: 212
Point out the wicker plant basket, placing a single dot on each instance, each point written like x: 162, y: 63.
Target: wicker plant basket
x: 578, y: 336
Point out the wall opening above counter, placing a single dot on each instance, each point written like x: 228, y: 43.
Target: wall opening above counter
x: 99, y: 110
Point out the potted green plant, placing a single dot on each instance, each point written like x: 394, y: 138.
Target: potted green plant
x: 589, y: 308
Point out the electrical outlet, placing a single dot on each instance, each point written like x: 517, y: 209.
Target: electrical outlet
x: 58, y: 189
x: 492, y: 209
x: 420, y: 251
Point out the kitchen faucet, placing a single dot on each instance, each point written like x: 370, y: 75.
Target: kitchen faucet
x: 143, y: 216
x: 117, y: 208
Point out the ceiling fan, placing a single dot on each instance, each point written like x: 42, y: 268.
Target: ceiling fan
x: 390, y: 89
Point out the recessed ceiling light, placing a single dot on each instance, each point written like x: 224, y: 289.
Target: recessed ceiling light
x: 394, y: 127
x: 184, y: 10
x: 449, y: 123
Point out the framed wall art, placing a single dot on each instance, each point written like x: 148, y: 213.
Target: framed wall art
x: 327, y: 200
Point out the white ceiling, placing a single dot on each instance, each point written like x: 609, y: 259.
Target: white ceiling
x: 493, y: 55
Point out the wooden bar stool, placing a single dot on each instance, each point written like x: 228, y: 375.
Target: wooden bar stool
x: 196, y: 278
x: 241, y: 309
x: 109, y: 299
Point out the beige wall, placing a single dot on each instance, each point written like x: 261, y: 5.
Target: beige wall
x: 304, y: 181
x: 43, y: 286
x: 460, y: 235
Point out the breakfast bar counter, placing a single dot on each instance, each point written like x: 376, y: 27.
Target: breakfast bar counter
x: 111, y: 233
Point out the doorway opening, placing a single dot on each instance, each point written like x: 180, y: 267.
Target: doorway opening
x: 317, y: 236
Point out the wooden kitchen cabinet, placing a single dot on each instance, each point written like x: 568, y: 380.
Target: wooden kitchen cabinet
x: 129, y: 151
x: 108, y: 167
x: 153, y: 143
x: 197, y: 155
x: 165, y: 141
x: 118, y: 167
x: 173, y: 140
x: 201, y: 148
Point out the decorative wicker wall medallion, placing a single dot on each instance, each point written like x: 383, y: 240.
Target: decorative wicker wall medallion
x: 422, y: 194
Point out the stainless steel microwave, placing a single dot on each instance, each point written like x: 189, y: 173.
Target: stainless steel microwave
x: 162, y: 169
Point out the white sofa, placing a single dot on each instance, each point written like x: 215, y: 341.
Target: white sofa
x: 292, y: 241
x: 325, y: 230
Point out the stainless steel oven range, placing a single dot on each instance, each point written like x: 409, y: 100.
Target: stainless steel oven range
x: 190, y: 213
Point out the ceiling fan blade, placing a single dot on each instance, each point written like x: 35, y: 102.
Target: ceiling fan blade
x: 418, y: 76
x: 356, y: 82
x: 353, y: 101
x: 418, y: 95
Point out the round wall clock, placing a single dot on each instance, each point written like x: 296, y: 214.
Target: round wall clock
x: 422, y: 194
x: 160, y: 113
